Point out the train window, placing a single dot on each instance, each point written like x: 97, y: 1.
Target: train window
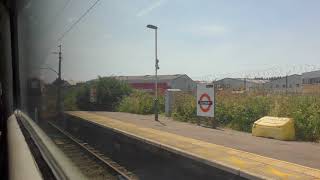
x: 160, y: 89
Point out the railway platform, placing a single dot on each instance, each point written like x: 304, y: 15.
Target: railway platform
x: 242, y: 163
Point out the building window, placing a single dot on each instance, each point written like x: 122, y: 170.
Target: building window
x: 297, y: 85
x: 284, y: 86
x: 277, y: 86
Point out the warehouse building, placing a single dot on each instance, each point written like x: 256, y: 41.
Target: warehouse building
x: 311, y: 82
x: 146, y: 82
x: 287, y: 84
x: 239, y: 84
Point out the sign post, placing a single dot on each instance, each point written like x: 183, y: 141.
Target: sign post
x: 206, y: 101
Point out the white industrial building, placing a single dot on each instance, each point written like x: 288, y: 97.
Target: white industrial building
x: 311, y: 82
x: 239, y: 84
x: 290, y: 84
x: 312, y: 77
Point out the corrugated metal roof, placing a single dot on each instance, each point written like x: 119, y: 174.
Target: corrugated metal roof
x: 312, y: 74
x: 256, y: 81
x: 289, y: 77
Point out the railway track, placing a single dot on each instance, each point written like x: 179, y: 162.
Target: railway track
x: 92, y: 163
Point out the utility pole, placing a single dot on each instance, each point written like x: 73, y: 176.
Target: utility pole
x: 156, y: 73
x: 59, y: 99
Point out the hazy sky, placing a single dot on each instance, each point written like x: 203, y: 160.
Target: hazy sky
x: 204, y: 39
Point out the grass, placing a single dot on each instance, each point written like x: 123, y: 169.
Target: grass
x: 140, y: 102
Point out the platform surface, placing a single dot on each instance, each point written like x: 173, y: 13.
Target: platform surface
x: 236, y: 161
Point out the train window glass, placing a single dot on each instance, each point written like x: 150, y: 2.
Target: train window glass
x: 123, y: 81
x: 34, y: 84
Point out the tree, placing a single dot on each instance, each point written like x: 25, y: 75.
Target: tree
x: 109, y: 90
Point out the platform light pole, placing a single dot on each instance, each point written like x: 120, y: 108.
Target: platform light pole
x: 156, y: 73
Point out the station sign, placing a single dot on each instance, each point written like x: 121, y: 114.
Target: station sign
x: 205, y: 100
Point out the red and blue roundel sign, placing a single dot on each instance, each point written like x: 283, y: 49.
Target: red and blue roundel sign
x: 205, y: 102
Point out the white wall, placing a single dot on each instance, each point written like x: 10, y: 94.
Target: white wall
x: 184, y: 83
x: 236, y: 84
x: 279, y: 85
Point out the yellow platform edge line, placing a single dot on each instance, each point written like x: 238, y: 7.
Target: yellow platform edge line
x: 249, y: 172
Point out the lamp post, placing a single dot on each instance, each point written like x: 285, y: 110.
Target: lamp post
x: 156, y: 73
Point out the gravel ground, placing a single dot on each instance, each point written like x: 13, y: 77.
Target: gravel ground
x: 304, y: 153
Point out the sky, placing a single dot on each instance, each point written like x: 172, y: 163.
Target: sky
x: 207, y: 39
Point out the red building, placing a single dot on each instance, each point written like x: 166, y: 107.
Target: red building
x: 177, y: 81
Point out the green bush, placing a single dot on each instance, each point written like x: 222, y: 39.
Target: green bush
x: 70, y: 99
x: 185, y: 108
x: 239, y: 111
x: 110, y: 92
x: 140, y: 102
x: 82, y: 97
x: 305, y: 110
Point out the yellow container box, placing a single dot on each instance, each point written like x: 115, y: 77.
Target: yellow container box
x: 274, y: 127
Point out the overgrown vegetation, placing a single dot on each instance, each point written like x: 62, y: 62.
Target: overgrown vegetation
x: 305, y: 110
x: 70, y: 99
x: 140, y: 102
x: 112, y: 95
x: 109, y: 92
x: 236, y: 111
x: 185, y: 108
x: 240, y: 111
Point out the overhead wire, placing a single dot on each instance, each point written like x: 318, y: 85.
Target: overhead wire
x: 58, y: 14
x: 55, y: 20
x: 78, y: 20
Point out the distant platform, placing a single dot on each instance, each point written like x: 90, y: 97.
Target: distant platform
x: 241, y: 163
